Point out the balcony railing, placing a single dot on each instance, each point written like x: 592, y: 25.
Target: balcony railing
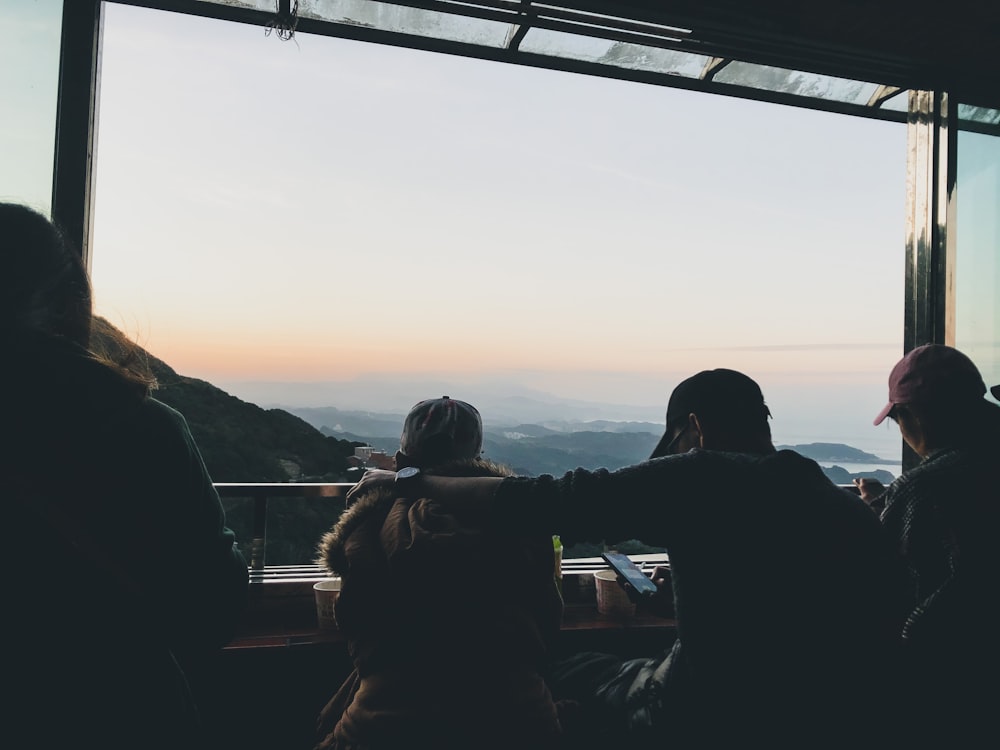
x: 262, y: 493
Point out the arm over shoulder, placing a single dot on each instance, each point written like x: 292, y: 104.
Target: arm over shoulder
x: 641, y: 501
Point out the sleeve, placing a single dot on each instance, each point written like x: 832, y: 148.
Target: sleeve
x: 916, y: 529
x: 198, y: 578
x: 644, y: 501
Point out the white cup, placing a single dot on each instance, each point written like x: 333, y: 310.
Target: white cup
x: 326, y: 592
x: 611, y: 597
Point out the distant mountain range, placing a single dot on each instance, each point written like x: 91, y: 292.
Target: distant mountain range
x: 244, y: 443
x: 557, y: 446
x: 506, y: 402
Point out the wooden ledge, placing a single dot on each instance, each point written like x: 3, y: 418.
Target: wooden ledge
x: 282, y: 609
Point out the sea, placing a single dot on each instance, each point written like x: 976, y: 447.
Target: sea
x: 893, y: 468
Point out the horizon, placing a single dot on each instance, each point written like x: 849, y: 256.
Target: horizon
x: 500, y: 407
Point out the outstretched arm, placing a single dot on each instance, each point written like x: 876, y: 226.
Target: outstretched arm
x: 470, y: 494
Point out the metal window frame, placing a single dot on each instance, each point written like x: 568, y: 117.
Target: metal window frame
x: 931, y: 126
x: 79, y: 78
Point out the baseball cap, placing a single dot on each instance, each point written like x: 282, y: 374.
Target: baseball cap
x: 929, y: 373
x: 715, y: 394
x: 442, y: 429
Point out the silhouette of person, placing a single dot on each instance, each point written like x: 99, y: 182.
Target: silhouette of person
x: 943, y: 515
x: 449, y: 623
x: 781, y: 582
x: 121, y: 566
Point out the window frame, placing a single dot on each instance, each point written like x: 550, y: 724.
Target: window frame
x: 929, y: 300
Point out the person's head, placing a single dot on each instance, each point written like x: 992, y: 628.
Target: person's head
x: 717, y: 410
x: 438, y: 431
x: 936, y: 397
x: 44, y: 287
x: 45, y: 294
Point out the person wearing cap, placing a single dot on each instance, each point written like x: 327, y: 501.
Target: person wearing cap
x: 944, y: 517
x: 781, y: 582
x: 449, y: 624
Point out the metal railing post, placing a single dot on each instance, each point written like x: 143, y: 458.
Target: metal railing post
x: 259, y: 543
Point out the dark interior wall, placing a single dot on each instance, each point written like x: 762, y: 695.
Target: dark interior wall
x: 269, y: 698
x: 938, y: 45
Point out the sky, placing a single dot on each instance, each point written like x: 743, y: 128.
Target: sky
x: 319, y: 211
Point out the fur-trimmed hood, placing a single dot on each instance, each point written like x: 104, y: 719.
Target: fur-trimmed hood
x: 378, y: 502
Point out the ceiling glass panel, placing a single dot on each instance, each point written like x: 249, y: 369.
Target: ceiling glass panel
x: 619, y: 54
x: 796, y: 82
x: 404, y: 20
x: 268, y: 5
x: 979, y: 114
x: 453, y: 25
x: 389, y: 17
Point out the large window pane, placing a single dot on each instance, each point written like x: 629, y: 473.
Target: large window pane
x: 29, y: 79
x: 977, y: 265
x: 341, y: 229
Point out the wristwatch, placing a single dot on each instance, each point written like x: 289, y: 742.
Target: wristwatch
x: 406, y: 475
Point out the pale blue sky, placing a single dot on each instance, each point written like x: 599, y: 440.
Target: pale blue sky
x: 323, y: 209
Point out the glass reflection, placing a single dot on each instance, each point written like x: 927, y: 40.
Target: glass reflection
x: 619, y: 54
x: 796, y: 82
x: 977, y: 262
x: 404, y: 20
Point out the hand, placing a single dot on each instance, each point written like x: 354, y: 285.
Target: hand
x: 869, y: 488
x: 662, y: 602
x: 370, y: 480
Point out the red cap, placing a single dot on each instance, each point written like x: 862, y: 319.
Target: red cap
x: 929, y: 373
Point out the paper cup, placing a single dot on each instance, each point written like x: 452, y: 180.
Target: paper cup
x: 611, y: 597
x: 326, y: 592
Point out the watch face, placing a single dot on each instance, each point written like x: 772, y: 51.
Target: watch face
x: 407, y: 472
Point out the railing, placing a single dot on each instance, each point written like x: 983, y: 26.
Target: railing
x: 262, y: 493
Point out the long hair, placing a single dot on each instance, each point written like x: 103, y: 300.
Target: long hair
x: 45, y: 293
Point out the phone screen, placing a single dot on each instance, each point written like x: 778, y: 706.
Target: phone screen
x: 628, y: 570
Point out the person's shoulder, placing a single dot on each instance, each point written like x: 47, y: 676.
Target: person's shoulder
x: 155, y: 414
x: 801, y: 474
x: 161, y: 425
x: 781, y: 463
x: 944, y: 472
x: 371, y: 507
x: 793, y: 461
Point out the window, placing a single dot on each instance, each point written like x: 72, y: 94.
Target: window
x: 977, y: 265
x: 333, y: 224
x: 29, y: 72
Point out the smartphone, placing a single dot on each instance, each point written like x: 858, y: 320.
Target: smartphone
x: 629, y: 571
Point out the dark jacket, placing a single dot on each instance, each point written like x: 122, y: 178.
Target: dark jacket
x: 448, y: 627
x: 784, y: 592
x: 124, y: 566
x: 944, y: 517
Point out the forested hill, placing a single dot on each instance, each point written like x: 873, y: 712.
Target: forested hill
x: 241, y: 442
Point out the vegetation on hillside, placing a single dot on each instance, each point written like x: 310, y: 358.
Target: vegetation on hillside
x: 243, y: 443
